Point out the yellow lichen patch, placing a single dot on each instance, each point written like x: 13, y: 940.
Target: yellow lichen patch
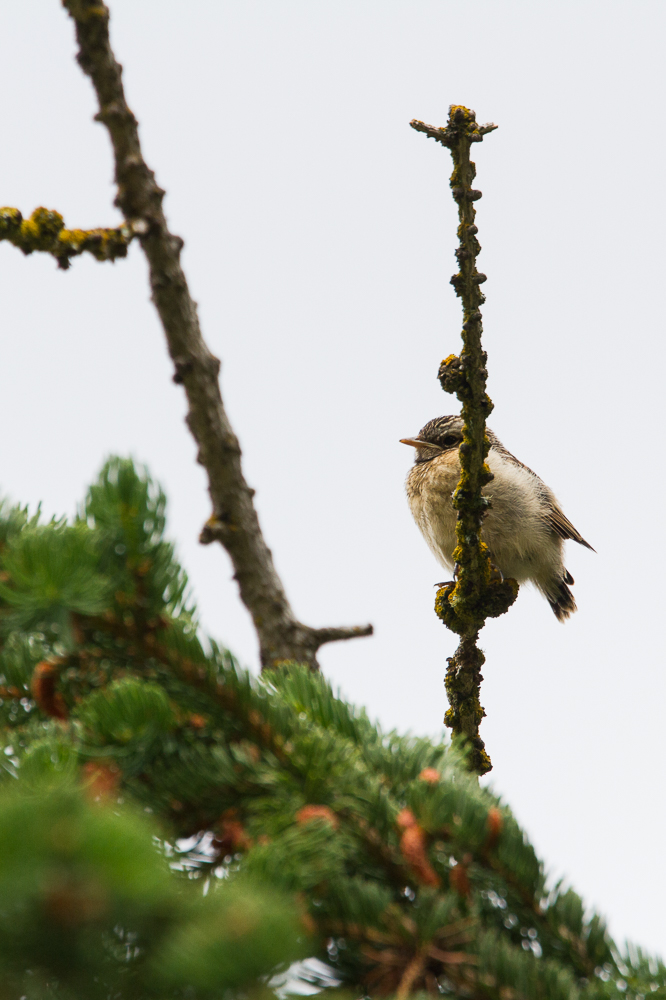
x: 103, y: 244
x: 458, y: 110
x: 73, y: 238
x: 477, y: 594
x: 10, y: 222
x: 40, y: 231
x: 45, y: 231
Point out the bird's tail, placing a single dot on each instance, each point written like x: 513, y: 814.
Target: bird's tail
x: 561, y: 599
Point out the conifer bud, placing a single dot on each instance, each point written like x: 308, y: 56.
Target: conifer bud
x: 44, y: 678
x: 196, y: 721
x: 232, y: 837
x: 406, y: 818
x: 309, y: 813
x: 459, y: 879
x: 495, y: 824
x: 413, y: 844
x: 101, y: 779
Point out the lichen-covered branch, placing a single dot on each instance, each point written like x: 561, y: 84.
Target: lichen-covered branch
x: 234, y: 521
x: 479, y: 591
x: 45, y: 231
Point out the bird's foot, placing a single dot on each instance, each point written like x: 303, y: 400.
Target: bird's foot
x: 449, y: 583
x: 496, y: 576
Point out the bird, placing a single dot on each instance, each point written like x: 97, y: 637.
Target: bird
x: 525, y: 527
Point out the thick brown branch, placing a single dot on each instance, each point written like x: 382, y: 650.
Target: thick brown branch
x: 234, y: 522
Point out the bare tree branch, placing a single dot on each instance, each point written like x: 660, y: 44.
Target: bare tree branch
x: 45, y: 231
x: 478, y: 592
x: 234, y: 522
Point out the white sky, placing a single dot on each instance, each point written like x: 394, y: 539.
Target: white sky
x: 319, y: 235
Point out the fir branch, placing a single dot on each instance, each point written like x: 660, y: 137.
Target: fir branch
x: 276, y: 778
x: 45, y: 231
x: 479, y: 592
x: 153, y: 644
x: 573, y: 944
x: 411, y: 974
x: 274, y: 731
x: 234, y: 522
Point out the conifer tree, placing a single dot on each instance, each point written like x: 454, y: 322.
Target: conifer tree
x: 172, y: 826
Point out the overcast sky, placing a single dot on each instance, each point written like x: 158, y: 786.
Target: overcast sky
x: 319, y: 233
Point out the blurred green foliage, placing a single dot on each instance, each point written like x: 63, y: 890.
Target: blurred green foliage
x: 90, y: 908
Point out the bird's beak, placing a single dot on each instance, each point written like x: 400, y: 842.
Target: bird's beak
x: 415, y: 443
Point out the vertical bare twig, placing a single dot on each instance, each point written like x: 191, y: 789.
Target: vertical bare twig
x: 234, y: 521
x: 478, y: 593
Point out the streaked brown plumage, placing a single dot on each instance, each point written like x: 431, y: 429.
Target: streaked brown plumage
x: 525, y: 528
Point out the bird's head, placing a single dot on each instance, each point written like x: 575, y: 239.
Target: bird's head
x: 438, y: 436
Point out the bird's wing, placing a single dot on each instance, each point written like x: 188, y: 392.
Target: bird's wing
x: 557, y: 520
x: 564, y: 528
x: 498, y: 446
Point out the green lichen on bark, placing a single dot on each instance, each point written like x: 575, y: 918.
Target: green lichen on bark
x: 478, y: 592
x: 44, y: 231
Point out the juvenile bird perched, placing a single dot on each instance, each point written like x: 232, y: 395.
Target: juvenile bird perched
x: 524, y: 528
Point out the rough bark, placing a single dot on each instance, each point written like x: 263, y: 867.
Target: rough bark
x: 478, y: 591
x: 234, y: 521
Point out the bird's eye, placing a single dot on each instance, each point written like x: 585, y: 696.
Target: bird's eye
x: 450, y: 440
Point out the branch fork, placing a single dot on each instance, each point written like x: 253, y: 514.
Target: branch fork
x: 235, y: 523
